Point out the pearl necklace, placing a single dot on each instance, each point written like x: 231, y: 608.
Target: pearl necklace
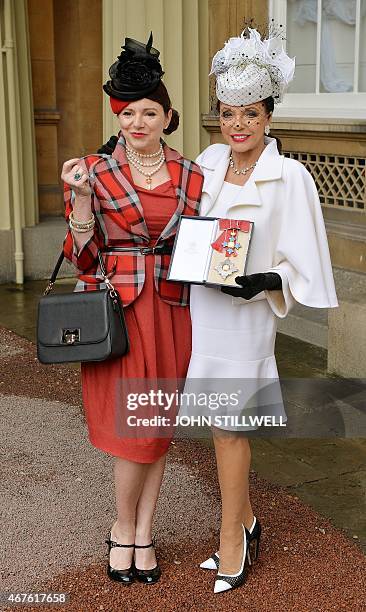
x: 136, y: 164
x: 244, y: 170
x: 131, y: 155
x: 136, y: 153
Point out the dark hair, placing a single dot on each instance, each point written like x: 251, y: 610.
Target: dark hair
x: 269, y: 106
x: 108, y: 147
x: 161, y: 96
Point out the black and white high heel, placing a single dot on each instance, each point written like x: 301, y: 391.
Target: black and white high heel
x: 255, y: 536
x: 225, y: 582
x: 212, y: 563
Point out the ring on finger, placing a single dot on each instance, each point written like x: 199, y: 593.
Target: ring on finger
x: 77, y: 176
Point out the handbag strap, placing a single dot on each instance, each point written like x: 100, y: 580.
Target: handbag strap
x: 57, y: 267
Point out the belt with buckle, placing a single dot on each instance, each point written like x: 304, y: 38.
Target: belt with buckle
x: 157, y: 250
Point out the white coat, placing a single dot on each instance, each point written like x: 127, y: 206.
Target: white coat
x: 233, y: 337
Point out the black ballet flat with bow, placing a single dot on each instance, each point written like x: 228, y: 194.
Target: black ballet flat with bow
x: 149, y: 576
x: 125, y: 576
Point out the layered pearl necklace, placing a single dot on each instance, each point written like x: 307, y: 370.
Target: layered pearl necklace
x: 244, y: 170
x: 137, y: 161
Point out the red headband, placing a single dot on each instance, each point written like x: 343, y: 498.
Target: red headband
x: 118, y: 105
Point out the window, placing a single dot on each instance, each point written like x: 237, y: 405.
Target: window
x: 328, y: 38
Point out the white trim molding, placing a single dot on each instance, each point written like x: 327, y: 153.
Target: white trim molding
x: 333, y: 106
x: 323, y: 105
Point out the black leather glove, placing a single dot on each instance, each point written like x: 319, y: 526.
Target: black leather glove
x: 253, y: 284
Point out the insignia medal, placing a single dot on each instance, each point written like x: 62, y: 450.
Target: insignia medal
x: 226, y: 268
x: 229, y: 244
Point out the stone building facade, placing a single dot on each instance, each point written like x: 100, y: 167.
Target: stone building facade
x: 55, y: 56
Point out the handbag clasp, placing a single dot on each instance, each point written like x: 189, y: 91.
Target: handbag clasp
x: 70, y: 336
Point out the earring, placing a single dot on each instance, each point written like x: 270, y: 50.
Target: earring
x: 267, y: 130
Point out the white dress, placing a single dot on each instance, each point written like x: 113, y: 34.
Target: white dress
x: 234, y: 346
x: 233, y: 339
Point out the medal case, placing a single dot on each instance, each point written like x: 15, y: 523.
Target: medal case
x: 210, y: 250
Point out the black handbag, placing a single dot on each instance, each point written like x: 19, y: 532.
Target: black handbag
x: 81, y: 326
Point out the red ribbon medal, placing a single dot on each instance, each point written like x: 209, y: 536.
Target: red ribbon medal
x: 228, y: 239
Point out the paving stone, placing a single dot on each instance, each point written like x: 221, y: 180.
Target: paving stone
x: 349, y: 511
x: 278, y: 466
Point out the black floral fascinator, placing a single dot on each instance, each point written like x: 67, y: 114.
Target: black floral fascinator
x: 137, y: 71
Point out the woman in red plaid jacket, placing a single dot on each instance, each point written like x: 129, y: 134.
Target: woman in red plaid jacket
x: 128, y: 206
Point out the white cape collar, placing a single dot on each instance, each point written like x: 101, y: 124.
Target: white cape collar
x: 215, y: 163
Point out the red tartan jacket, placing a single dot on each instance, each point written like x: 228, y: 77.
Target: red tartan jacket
x: 120, y: 222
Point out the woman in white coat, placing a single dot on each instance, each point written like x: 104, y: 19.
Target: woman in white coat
x: 234, y: 329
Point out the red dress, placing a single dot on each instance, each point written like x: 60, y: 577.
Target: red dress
x: 160, y: 347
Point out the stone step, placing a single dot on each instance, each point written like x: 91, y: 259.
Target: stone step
x: 42, y: 247
x: 307, y: 324
x: 311, y: 324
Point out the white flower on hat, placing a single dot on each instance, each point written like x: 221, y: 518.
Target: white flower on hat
x: 251, y: 69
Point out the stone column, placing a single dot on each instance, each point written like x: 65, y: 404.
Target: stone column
x: 228, y: 18
x: 78, y: 55
x: 18, y: 204
x: 46, y: 116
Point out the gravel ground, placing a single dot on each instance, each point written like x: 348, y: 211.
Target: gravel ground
x: 62, y: 490
x: 57, y: 505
